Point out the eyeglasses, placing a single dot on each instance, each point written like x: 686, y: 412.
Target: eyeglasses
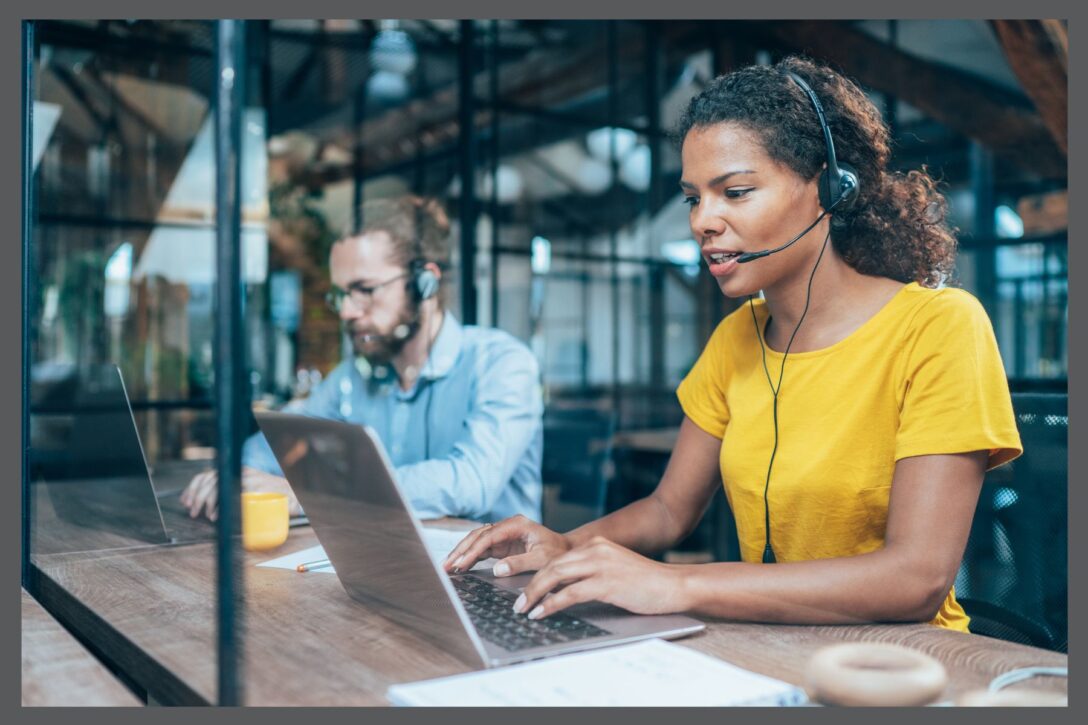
x: 360, y: 294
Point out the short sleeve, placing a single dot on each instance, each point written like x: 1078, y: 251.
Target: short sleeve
x: 955, y: 395
x: 702, y: 391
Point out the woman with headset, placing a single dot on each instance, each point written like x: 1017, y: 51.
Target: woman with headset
x: 851, y: 413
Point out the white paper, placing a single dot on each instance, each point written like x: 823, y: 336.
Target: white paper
x: 440, y: 543
x: 646, y: 674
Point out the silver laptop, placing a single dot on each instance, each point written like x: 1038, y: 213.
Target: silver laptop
x: 87, y: 456
x: 344, y: 481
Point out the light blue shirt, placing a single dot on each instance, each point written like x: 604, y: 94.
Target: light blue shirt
x: 477, y: 454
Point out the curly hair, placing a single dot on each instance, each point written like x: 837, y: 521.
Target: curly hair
x: 898, y: 225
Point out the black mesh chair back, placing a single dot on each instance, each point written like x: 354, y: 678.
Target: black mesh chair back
x: 1013, y: 581
x: 578, y: 455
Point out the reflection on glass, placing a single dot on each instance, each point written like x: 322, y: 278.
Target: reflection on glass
x: 89, y: 478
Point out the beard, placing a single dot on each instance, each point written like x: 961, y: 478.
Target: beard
x: 379, y: 347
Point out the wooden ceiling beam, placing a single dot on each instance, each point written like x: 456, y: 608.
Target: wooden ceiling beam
x: 970, y: 105
x: 1038, y: 52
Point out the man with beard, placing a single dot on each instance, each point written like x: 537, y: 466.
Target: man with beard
x: 458, y: 408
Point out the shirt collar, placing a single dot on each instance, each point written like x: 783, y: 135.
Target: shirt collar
x: 446, y: 348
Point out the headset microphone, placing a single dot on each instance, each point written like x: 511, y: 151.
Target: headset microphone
x: 752, y: 256
x: 838, y: 183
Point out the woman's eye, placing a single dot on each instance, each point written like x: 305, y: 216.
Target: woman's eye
x: 691, y: 200
x: 736, y: 193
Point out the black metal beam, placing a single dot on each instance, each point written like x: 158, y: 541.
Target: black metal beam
x: 982, y: 187
x: 577, y: 120
x: 27, y: 280
x: 613, y: 225
x: 83, y: 37
x: 493, y: 99
x: 442, y: 39
x: 468, y: 158
x: 974, y: 242
x: 91, y: 221
x: 655, y: 199
x: 358, y: 149
x: 230, y: 379
x: 68, y: 80
x: 156, y: 405
x: 300, y: 74
x: 591, y: 257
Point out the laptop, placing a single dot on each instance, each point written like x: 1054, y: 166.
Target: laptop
x: 87, y: 455
x: 342, y: 477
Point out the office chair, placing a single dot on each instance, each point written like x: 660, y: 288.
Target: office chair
x: 1013, y: 578
x: 578, y: 461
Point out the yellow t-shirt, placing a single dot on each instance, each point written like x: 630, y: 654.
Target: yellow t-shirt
x: 922, y: 376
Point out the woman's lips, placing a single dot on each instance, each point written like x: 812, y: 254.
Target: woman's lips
x: 720, y: 269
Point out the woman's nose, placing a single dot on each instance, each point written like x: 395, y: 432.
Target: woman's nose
x: 706, y: 222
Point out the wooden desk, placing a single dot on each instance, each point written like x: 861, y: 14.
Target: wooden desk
x: 308, y: 643
x: 58, y: 670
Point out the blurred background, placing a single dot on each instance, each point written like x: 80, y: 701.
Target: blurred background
x: 548, y: 141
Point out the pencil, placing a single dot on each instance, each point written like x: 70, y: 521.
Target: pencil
x: 319, y: 564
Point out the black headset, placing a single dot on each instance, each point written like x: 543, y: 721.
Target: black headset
x: 839, y: 184
x: 422, y: 283
x: 838, y: 188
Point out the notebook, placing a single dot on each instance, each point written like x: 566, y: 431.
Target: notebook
x: 652, y: 673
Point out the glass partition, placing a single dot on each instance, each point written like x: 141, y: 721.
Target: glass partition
x: 121, y: 315
x: 581, y: 248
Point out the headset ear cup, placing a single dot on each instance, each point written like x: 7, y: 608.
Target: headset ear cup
x: 849, y: 185
x: 845, y: 186
x: 426, y: 284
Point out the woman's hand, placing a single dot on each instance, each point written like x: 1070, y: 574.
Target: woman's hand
x: 520, y: 544
x: 203, y: 491
x: 601, y: 570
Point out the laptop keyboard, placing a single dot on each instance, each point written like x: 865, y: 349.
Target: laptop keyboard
x: 491, y: 610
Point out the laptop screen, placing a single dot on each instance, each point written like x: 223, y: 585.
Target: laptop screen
x: 87, y: 471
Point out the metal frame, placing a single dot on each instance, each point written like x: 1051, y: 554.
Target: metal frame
x: 655, y: 200
x: 28, y: 55
x: 613, y: 227
x: 466, y: 113
x: 493, y: 91
x: 230, y: 381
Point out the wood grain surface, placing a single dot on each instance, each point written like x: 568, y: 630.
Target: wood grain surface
x: 152, y: 611
x: 58, y: 670
x: 308, y: 643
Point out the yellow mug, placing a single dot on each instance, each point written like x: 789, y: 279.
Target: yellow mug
x: 264, y: 520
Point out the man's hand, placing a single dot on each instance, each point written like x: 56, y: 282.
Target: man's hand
x: 203, y: 491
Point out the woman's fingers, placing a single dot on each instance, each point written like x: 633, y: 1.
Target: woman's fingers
x: 567, y: 569
x: 532, y: 560
x: 582, y: 591
x: 474, y: 548
x: 479, y: 544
